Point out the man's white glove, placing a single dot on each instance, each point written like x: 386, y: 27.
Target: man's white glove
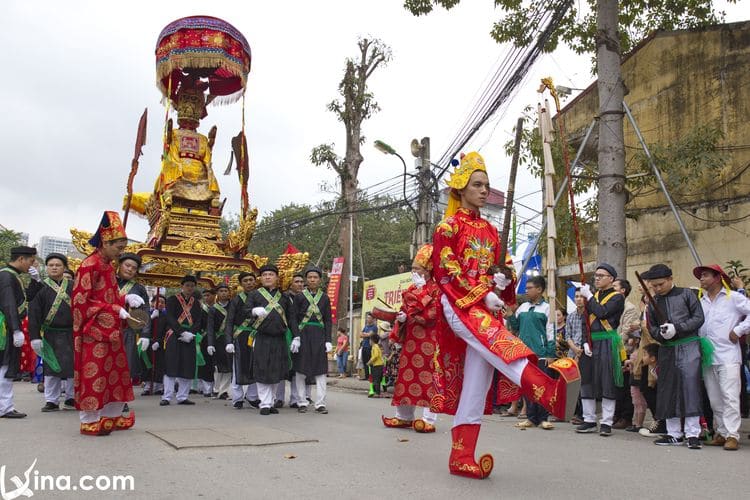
x: 34, y: 273
x: 36, y: 344
x: 586, y: 292
x: 124, y: 314
x: 210, y: 350
x: 155, y: 314
x: 587, y: 349
x: 187, y: 337
x: 155, y: 346
x: 259, y: 312
x: 329, y: 347
x: 294, y: 346
x: 667, y: 331
x: 134, y: 300
x: 501, y: 281
x: 493, y: 302
x: 229, y: 348
x: 144, y: 342
x: 18, y: 338
x: 401, y: 317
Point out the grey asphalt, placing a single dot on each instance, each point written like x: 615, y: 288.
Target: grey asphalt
x: 349, y: 454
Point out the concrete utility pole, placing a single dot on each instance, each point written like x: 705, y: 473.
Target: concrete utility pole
x: 421, y: 151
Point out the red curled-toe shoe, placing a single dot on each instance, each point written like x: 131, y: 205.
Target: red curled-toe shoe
x: 101, y: 427
x: 461, y: 461
x: 423, y: 427
x: 396, y: 423
x: 124, y: 423
x: 558, y: 395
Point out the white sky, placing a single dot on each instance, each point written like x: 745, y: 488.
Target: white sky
x: 78, y: 75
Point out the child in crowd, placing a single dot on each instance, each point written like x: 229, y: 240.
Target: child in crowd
x: 342, y: 351
x: 376, y: 364
x: 649, y: 376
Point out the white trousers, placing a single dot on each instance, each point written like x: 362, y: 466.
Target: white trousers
x: 692, y: 427
x: 280, y: 391
x: 6, y: 390
x: 157, y: 386
x: 54, y: 386
x: 266, y: 394
x: 723, y: 386
x: 320, y: 389
x: 206, y: 387
x: 183, y: 388
x: 294, y: 392
x: 608, y: 411
x: 406, y: 412
x: 110, y: 410
x: 222, y: 382
x: 249, y: 392
x: 479, y: 367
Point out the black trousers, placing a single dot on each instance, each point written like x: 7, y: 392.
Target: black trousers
x: 377, y: 375
x: 624, y: 405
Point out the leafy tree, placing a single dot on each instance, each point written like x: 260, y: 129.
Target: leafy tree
x: 8, y: 240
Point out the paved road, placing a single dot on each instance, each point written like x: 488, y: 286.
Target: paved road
x: 349, y: 454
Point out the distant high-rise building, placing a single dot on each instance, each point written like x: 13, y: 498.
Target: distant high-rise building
x: 50, y: 244
x: 24, y: 238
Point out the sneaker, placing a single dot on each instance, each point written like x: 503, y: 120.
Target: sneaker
x: 265, y: 411
x: 694, y: 443
x: 50, y: 407
x: 237, y: 405
x: 655, y: 429
x: 669, y: 441
x: 586, y: 428
x: 718, y: 440
x: 633, y: 428
x: 321, y: 409
x: 731, y: 444
x: 605, y: 430
x: 69, y: 404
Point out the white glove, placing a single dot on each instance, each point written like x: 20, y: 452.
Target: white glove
x: 210, y: 350
x: 155, y: 314
x: 587, y: 349
x: 124, y: 314
x: 294, y: 347
x: 667, y: 331
x: 329, y: 347
x: 36, y: 344
x: 550, y: 333
x: 155, y: 346
x: 34, y: 273
x: 401, y: 317
x: 134, y: 300
x: 259, y: 312
x: 586, y: 292
x: 229, y: 348
x: 501, y: 281
x: 187, y: 337
x: 18, y: 338
x: 144, y: 342
x: 493, y: 302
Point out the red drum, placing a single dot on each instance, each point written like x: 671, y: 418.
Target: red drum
x: 384, y: 314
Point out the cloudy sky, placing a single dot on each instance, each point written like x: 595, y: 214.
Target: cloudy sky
x: 79, y: 74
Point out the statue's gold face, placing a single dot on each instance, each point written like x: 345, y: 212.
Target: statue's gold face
x: 190, y: 106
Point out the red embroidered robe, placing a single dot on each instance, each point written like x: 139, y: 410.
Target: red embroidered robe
x: 101, y: 367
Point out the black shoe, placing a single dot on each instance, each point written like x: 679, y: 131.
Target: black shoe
x: 605, y: 430
x: 586, y: 428
x: 50, y: 407
x: 265, y: 411
x: 69, y: 404
x: 293, y: 405
x: 633, y: 428
x: 207, y: 395
x: 164, y: 402
x: 321, y: 409
x: 669, y: 441
x: 126, y: 408
x: 223, y: 395
x: 186, y: 402
x: 237, y: 405
x: 255, y: 403
x: 694, y: 443
x: 278, y: 404
x: 302, y: 409
x: 274, y: 411
x: 13, y: 414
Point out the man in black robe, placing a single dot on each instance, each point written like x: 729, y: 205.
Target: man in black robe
x: 13, y: 309
x: 184, y: 318
x: 674, y: 320
x: 295, y: 288
x: 273, y: 327
x: 205, y: 371
x: 217, y: 342
x: 314, y: 342
x: 51, y: 333
x: 135, y: 341
x: 152, y: 366
x: 239, y: 344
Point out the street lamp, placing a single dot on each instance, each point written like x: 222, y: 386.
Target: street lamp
x: 386, y: 149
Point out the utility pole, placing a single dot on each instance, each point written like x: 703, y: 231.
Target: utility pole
x: 421, y: 151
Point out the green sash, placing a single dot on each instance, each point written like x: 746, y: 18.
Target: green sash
x: 62, y: 296
x: 21, y: 308
x: 126, y: 288
x: 707, y: 348
x: 618, y: 351
x: 312, y: 309
x: 223, y: 311
x: 143, y: 355
x: 273, y: 304
x: 48, y: 354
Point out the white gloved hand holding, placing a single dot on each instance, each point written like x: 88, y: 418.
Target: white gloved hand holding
x: 294, y: 346
x: 259, y: 312
x: 501, y: 281
x: 124, y: 314
x: 155, y: 346
x: 36, y: 344
x: 329, y: 347
x: 401, y: 317
x: 134, y: 300
x: 187, y: 337
x: 210, y: 350
x: 229, y: 348
x: 34, y: 273
x: 586, y: 292
x: 493, y: 302
x: 155, y: 314
x: 18, y: 338
x: 667, y: 331
x: 587, y: 350
x: 144, y: 342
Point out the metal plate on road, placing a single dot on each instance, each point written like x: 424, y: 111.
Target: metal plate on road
x: 252, y: 435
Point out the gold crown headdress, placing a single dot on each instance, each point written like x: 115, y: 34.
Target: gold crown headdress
x: 470, y: 163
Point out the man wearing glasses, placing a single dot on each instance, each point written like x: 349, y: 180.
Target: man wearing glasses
x: 601, y: 364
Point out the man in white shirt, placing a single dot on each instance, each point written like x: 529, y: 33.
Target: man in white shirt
x: 727, y: 316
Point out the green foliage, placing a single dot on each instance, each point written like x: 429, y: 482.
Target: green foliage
x: 8, y: 240
x: 735, y: 268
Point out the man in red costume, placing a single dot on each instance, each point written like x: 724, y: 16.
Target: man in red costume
x: 465, y: 246
x: 415, y: 329
x: 102, y: 378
